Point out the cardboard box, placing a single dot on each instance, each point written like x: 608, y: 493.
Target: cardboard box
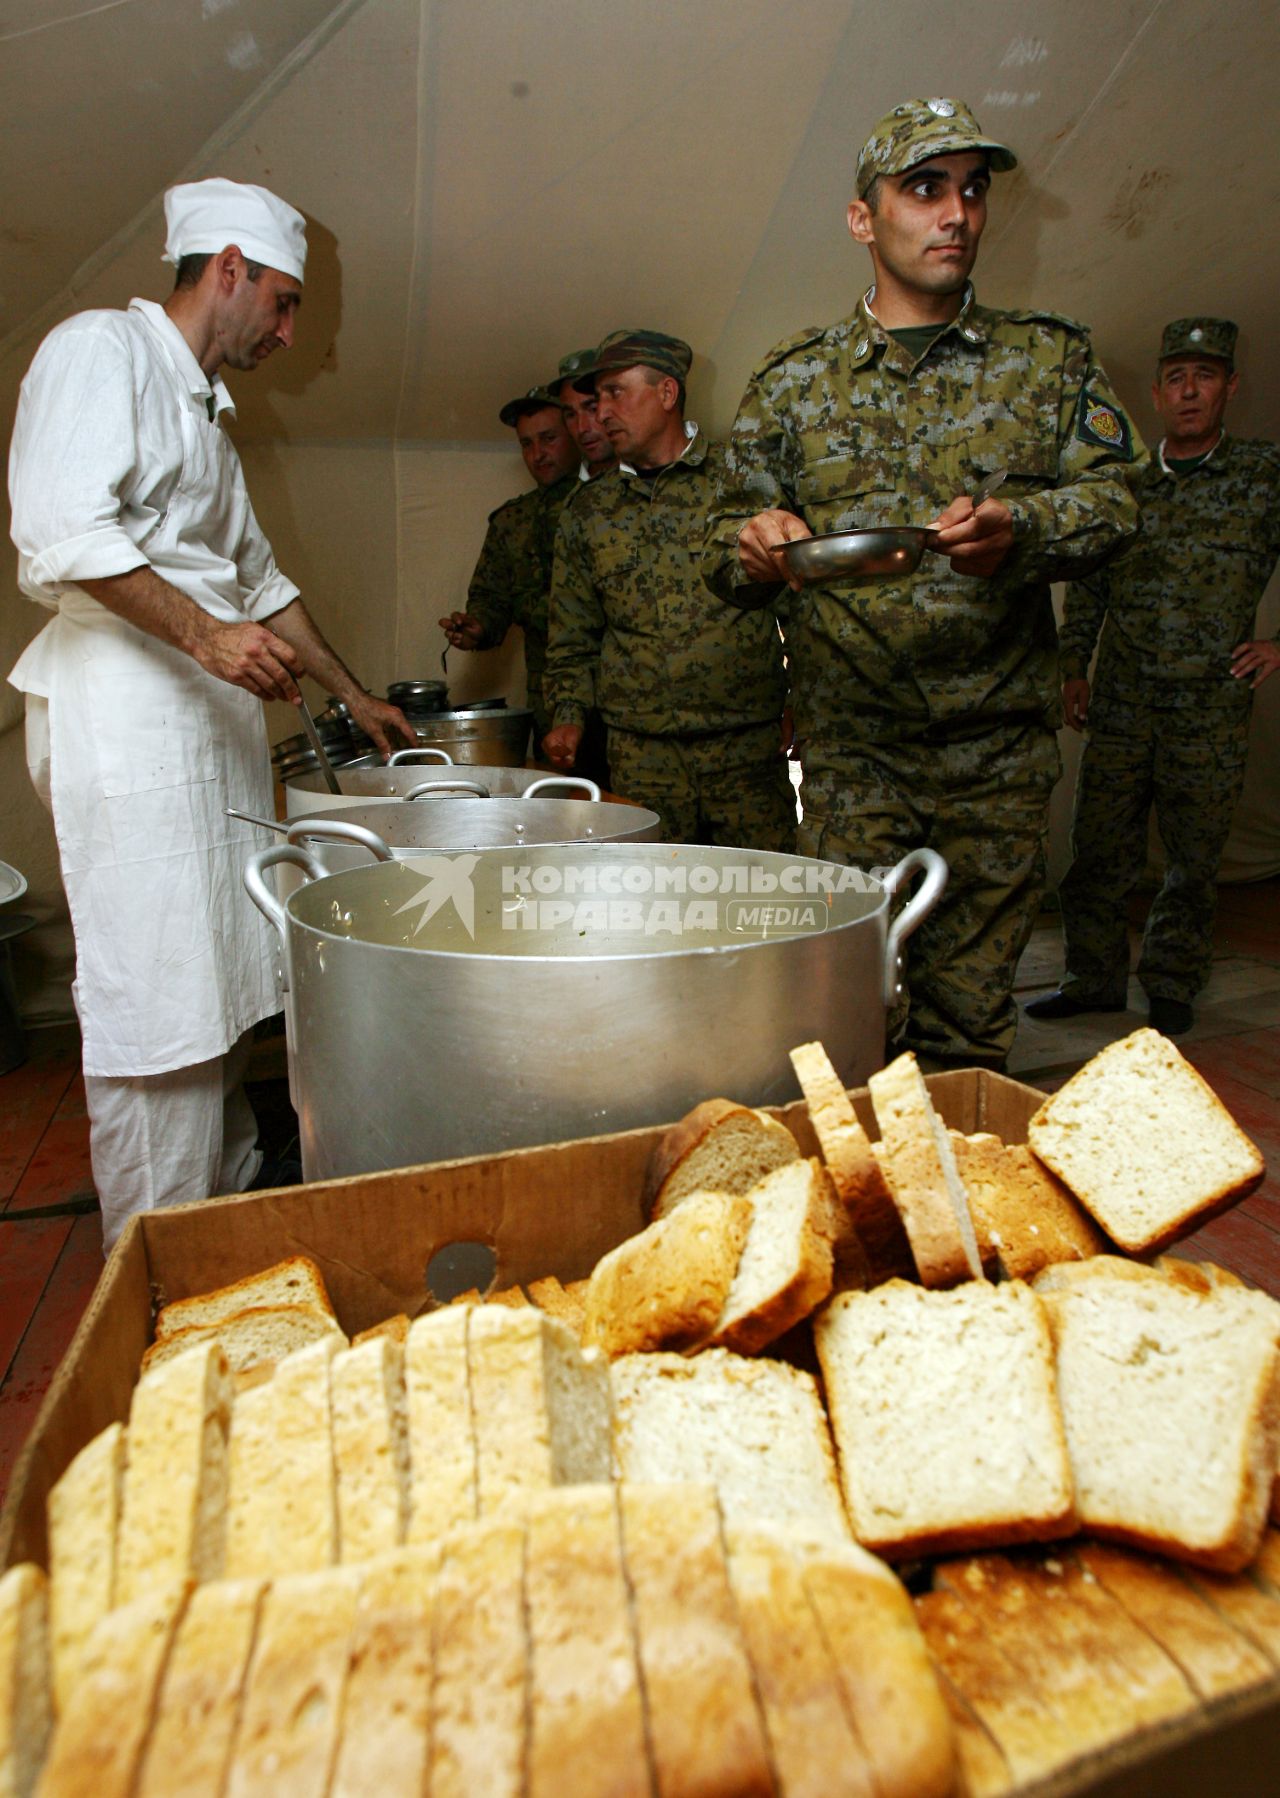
x: 552, y: 1209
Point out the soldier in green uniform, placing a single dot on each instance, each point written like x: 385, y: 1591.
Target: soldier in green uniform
x: 1168, y: 714
x: 926, y: 704
x: 511, y: 578
x: 691, y: 689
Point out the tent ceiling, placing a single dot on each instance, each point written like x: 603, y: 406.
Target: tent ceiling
x: 493, y: 182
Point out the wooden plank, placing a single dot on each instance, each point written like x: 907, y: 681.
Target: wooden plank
x: 1252, y: 1058
x: 29, y: 1098
x: 59, y: 1167
x: 1241, y: 1243
x: 28, y: 1255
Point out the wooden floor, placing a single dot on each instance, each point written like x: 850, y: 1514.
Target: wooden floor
x: 51, y: 1242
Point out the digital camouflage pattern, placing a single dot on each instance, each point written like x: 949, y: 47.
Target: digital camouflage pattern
x: 1192, y: 771
x: 1200, y: 337
x: 918, y: 129
x: 729, y: 787
x: 513, y: 577
x: 935, y: 675
x: 634, y: 631
x: 1180, y: 598
x: 1168, y: 724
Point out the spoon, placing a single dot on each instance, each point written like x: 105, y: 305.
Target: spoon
x: 989, y: 486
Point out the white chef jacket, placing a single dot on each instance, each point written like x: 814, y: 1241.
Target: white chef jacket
x: 116, y: 462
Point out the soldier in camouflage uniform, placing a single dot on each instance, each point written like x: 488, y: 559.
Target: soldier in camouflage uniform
x: 1169, y: 713
x: 691, y: 689
x: 926, y: 704
x: 512, y: 577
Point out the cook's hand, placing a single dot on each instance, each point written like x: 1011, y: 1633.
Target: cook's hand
x: 976, y: 542
x: 761, y: 536
x: 462, y: 630
x: 379, y: 720
x: 1255, y: 662
x: 1075, y: 702
x: 560, y: 745
x: 248, y: 656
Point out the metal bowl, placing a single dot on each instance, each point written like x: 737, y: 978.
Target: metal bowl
x: 885, y: 550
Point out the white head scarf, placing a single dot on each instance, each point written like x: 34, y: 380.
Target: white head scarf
x: 205, y: 216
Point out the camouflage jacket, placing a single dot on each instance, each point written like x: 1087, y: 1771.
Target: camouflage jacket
x: 513, y: 576
x: 633, y: 629
x: 1180, y: 598
x: 841, y: 427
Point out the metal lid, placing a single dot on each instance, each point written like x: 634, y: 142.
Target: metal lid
x: 12, y: 884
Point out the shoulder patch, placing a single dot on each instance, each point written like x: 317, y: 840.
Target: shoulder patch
x: 1099, y: 422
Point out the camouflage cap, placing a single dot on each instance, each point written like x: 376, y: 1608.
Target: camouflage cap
x: 571, y: 365
x: 919, y: 129
x: 1200, y: 337
x: 535, y: 400
x: 625, y: 349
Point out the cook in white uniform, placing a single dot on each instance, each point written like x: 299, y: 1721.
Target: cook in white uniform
x: 171, y: 624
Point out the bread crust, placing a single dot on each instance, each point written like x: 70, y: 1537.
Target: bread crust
x: 804, y: 1288
x: 929, y: 1195
x: 677, y: 1143
x: 858, y: 1178
x: 298, y: 1276
x: 666, y: 1287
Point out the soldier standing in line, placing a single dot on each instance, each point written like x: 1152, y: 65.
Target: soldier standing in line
x: 1169, y: 712
x: 513, y: 574
x: 692, y: 690
x: 926, y: 705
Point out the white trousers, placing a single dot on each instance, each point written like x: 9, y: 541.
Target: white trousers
x: 168, y: 1139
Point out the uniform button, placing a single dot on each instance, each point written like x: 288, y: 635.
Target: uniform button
x: 860, y: 348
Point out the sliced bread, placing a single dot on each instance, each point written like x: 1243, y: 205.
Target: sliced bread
x: 568, y: 1303
x: 859, y: 1179
x: 306, y: 1522
x: 1171, y: 1400
x: 84, y: 1524
x: 442, y: 1447
x: 26, y: 1678
x: 1144, y: 1144
x: 718, y: 1147
x: 754, y: 1429
x: 255, y: 1470
x: 297, y: 1281
x: 188, y: 1748
x: 260, y: 1335
x: 918, y: 1161
x: 174, y: 1511
x: 370, y: 1448
x: 480, y: 1689
x: 945, y: 1417
x: 397, y: 1328
x: 785, y: 1268
x: 667, y: 1287
x: 1023, y: 1216
x: 386, y: 1707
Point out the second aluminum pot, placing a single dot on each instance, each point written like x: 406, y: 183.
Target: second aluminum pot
x: 454, y: 1005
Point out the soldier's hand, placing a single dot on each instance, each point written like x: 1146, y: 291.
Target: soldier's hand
x: 1255, y: 662
x: 560, y: 745
x: 976, y: 542
x: 760, y: 537
x: 462, y: 630
x: 248, y: 656
x: 1075, y: 702
x: 381, y: 721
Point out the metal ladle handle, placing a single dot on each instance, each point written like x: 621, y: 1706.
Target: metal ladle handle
x: 989, y: 486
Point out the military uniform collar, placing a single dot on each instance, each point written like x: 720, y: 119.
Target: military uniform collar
x: 694, y: 451
x: 1215, y: 459
x: 212, y: 394
x: 869, y: 334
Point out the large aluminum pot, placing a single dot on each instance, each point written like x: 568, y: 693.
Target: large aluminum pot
x: 494, y: 735
x: 458, y: 1005
x: 409, y: 772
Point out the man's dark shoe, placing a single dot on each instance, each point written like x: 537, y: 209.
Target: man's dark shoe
x: 1055, y: 1006
x: 1170, y: 1016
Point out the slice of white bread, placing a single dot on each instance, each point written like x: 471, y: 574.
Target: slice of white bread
x: 26, y: 1678
x: 188, y: 1749
x: 1171, y: 1400
x: 480, y: 1688
x: 292, y: 1706
x: 859, y: 1179
x: 174, y: 1512
x: 1144, y: 1143
x: 84, y: 1523
x: 442, y: 1447
x: 397, y: 1328
x: 306, y: 1522
x: 98, y: 1741
x: 785, y: 1269
x: 717, y: 1147
x: 264, y: 1333
x: 568, y: 1303
x: 386, y: 1707
x: 297, y: 1281
x: 920, y: 1166
x: 945, y: 1417
x: 370, y: 1448
x: 754, y: 1429
x: 255, y: 1469
x: 667, y: 1287
x: 540, y: 1405
x: 587, y: 1727
x: 1023, y: 1216
x: 704, y: 1725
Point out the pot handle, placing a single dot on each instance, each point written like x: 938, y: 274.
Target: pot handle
x: 261, y: 893
x: 334, y: 831
x: 919, y: 861
x: 574, y: 781
x: 398, y: 757
x: 447, y: 786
